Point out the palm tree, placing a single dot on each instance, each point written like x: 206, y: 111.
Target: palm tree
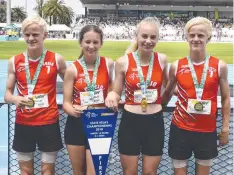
x: 2, y: 11
x: 39, y: 7
x: 2, y: 15
x: 18, y: 14
x: 67, y: 16
x: 58, y: 12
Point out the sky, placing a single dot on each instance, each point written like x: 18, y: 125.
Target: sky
x: 76, y: 5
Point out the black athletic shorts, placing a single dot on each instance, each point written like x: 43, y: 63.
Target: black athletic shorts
x: 141, y: 133
x: 46, y: 137
x: 74, y: 133
x: 183, y: 143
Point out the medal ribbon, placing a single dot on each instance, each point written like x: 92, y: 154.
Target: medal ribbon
x: 31, y: 84
x: 90, y: 86
x: 144, y: 84
x: 199, y: 87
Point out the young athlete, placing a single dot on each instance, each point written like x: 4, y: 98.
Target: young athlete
x: 34, y: 74
x: 197, y: 77
x: 89, y: 74
x: 143, y: 72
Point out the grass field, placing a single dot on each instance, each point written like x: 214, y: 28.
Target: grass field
x: 113, y: 49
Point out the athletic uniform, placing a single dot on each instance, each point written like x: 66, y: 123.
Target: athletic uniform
x: 74, y: 129
x: 137, y: 132
x: 196, y: 131
x: 39, y: 124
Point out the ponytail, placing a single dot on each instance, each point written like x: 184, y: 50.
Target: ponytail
x: 132, y: 48
x: 81, y: 54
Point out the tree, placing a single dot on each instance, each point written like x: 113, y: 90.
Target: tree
x: 18, y: 14
x: 67, y: 16
x: 2, y: 11
x: 39, y: 7
x: 58, y: 12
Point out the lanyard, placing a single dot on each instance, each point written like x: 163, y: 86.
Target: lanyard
x: 90, y: 86
x: 144, y: 84
x: 31, y: 83
x: 199, y: 87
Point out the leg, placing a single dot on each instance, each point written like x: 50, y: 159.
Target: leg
x: 77, y: 157
x: 129, y: 164
x: 24, y: 144
x: 203, y: 166
x: 75, y: 141
x: 48, y: 161
x: 202, y: 170
x: 49, y: 143
x: 180, y: 171
x: 150, y: 164
x: 129, y: 143
x: 47, y: 168
x: 152, y: 142
x: 26, y: 167
x: 205, y: 150
x: 180, y: 166
x: 89, y: 163
x: 179, y: 149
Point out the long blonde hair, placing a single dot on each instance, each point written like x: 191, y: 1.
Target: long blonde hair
x: 152, y: 20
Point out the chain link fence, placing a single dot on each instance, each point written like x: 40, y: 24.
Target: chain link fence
x: 223, y: 164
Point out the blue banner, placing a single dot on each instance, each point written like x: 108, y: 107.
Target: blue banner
x: 99, y: 126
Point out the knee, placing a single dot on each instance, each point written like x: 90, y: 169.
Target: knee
x: 26, y: 171
x: 47, y: 171
x: 78, y: 170
x: 79, y: 173
x: 91, y: 171
x: 130, y: 171
x: 150, y: 172
x: 75, y: 172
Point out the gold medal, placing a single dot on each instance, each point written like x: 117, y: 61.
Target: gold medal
x: 144, y: 104
x: 91, y: 107
x: 31, y: 103
x: 198, y: 106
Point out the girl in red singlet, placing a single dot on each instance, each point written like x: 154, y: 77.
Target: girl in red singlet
x: 77, y: 76
x: 143, y: 72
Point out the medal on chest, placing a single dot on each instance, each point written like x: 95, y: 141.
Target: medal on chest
x: 144, y: 104
x: 143, y: 84
x: 199, y: 106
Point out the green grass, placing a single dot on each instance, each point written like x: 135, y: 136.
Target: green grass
x: 114, y: 49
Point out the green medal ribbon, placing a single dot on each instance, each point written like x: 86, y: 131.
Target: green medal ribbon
x: 31, y: 84
x: 90, y: 86
x: 199, y: 87
x: 144, y: 84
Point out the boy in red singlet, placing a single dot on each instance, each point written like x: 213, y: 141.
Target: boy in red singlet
x: 197, y: 77
x: 34, y: 74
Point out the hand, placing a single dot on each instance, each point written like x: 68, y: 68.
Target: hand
x: 121, y: 102
x: 21, y: 101
x: 78, y: 110
x: 223, y: 137
x: 111, y: 101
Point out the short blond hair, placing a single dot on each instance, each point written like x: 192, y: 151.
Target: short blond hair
x: 150, y: 20
x: 34, y: 20
x: 197, y: 21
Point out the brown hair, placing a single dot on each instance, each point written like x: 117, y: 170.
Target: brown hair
x: 86, y: 29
